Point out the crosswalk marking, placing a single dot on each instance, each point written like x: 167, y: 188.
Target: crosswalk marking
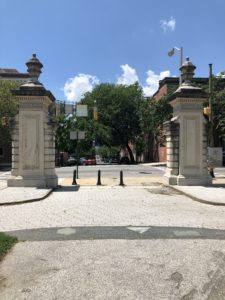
x: 66, y: 231
x: 186, y: 233
x: 139, y: 229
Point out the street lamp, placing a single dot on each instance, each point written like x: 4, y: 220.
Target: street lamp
x: 171, y: 53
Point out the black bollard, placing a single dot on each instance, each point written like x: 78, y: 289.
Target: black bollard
x: 121, y: 178
x: 74, y: 178
x: 211, y: 172
x: 99, y: 178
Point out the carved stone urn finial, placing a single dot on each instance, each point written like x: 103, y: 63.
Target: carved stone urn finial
x: 34, y: 67
x: 187, y: 72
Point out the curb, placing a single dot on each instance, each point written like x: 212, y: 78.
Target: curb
x: 29, y: 200
x: 208, y: 202
x: 154, y: 164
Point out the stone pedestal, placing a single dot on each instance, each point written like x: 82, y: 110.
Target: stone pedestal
x: 172, y: 142
x: 189, y: 165
x: 33, y: 145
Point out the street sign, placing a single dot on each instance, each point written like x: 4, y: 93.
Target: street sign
x: 81, y: 110
x: 77, y: 135
x: 69, y: 108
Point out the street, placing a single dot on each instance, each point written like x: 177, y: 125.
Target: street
x: 112, y: 170
x: 112, y: 242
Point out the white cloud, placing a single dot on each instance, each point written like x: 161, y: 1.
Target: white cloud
x: 153, y: 82
x: 168, y: 24
x: 76, y: 87
x: 129, y: 75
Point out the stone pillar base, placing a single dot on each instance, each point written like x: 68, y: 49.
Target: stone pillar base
x: 39, y: 181
x: 182, y: 181
x: 202, y: 180
x: 170, y: 179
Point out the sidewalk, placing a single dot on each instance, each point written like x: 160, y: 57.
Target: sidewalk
x: 213, y: 195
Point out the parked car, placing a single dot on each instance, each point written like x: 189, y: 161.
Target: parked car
x: 72, y: 161
x: 114, y: 160
x: 124, y: 160
x: 90, y: 161
x: 82, y: 160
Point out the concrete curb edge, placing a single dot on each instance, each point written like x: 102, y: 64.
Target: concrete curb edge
x: 29, y: 200
x: 195, y: 198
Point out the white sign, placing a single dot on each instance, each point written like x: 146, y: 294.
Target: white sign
x: 77, y: 135
x: 69, y: 108
x: 81, y: 110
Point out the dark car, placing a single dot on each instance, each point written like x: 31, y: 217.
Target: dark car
x: 124, y: 160
x: 114, y: 160
x: 82, y: 160
x: 72, y: 161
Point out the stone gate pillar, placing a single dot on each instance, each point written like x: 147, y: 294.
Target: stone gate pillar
x: 172, y: 142
x: 33, y: 142
x: 187, y: 103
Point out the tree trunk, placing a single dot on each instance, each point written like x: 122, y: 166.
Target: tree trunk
x: 130, y: 154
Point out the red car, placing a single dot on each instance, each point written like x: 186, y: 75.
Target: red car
x: 90, y: 161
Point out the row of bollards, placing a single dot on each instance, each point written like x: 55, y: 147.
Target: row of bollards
x: 99, y: 178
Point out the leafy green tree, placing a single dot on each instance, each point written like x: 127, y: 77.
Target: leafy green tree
x: 95, y: 133
x: 108, y: 152
x: 218, y: 110
x: 119, y: 111
x: 8, y: 109
x: 159, y: 112
x: 216, y: 128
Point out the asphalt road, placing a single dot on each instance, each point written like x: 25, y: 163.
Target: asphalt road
x: 112, y: 171
x: 117, y: 232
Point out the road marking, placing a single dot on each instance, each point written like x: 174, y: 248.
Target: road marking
x: 186, y: 233
x: 66, y: 231
x: 139, y: 229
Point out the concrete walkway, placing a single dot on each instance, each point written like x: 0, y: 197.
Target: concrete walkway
x: 213, y: 195
x: 114, y: 242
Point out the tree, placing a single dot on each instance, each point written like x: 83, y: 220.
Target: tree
x: 119, y: 111
x: 8, y: 109
x: 216, y: 127
x: 94, y: 132
x: 218, y: 108
x: 158, y: 112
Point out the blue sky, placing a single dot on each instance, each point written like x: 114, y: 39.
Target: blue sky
x: 85, y: 42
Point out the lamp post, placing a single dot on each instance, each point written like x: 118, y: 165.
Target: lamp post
x: 171, y: 53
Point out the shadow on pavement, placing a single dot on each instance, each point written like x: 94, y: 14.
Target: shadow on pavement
x: 72, y: 188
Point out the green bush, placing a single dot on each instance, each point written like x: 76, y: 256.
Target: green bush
x: 6, y: 242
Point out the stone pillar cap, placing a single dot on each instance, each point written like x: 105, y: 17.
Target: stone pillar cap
x: 34, y: 67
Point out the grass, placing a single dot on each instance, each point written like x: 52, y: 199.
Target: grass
x: 6, y: 242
